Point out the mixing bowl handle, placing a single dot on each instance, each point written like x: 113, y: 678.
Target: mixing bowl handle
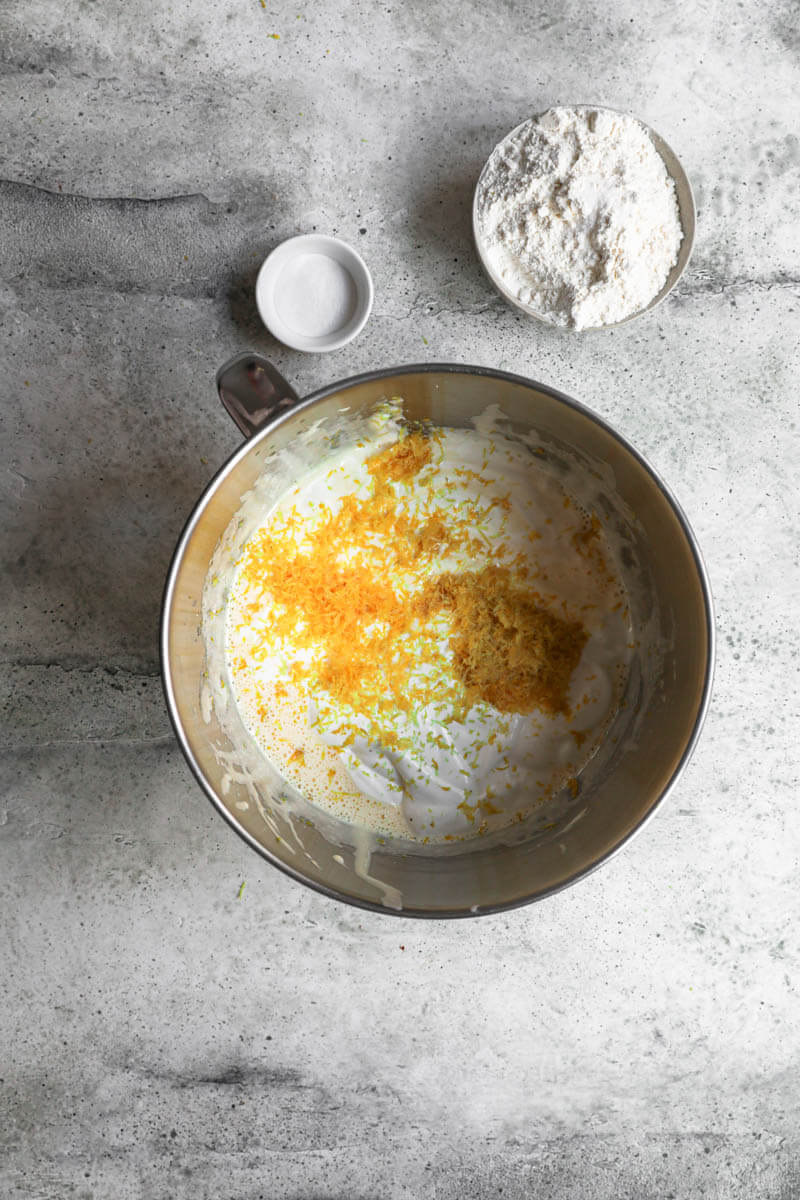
x: 253, y: 391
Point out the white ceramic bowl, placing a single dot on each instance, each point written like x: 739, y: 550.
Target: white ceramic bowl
x: 686, y: 208
x: 314, y: 293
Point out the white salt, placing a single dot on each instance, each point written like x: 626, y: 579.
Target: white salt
x: 315, y: 295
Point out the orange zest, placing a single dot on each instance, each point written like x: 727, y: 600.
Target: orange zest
x: 385, y: 630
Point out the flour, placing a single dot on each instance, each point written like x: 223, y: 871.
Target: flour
x: 579, y: 217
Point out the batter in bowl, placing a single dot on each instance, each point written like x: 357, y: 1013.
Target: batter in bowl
x: 426, y: 634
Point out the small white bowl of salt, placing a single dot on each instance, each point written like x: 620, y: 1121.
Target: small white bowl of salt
x: 314, y: 293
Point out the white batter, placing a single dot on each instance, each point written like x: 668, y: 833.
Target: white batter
x: 430, y: 768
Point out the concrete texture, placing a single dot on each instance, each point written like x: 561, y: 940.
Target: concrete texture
x: 636, y: 1036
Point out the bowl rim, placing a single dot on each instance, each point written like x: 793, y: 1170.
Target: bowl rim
x: 688, y: 217
x: 194, y: 519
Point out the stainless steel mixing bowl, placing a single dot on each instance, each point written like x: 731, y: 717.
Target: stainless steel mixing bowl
x: 668, y: 689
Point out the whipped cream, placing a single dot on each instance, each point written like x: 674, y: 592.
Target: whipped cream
x: 431, y: 770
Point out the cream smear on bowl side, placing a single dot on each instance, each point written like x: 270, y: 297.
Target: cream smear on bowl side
x: 357, y: 610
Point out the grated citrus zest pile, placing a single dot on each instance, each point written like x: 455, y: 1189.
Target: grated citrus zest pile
x: 384, y: 629
x: 508, y: 650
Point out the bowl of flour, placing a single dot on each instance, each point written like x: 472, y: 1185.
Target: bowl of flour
x: 583, y: 218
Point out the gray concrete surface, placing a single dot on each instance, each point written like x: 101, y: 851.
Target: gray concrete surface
x: 637, y: 1036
